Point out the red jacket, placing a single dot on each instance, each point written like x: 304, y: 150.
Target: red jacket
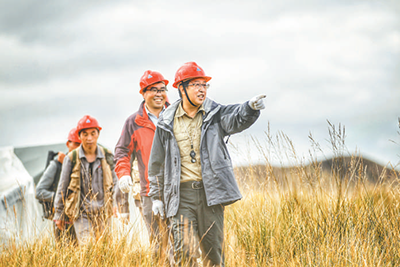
x: 135, y: 141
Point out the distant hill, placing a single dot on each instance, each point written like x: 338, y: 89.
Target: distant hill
x: 353, y: 168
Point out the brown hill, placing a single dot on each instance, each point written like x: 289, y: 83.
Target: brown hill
x: 342, y: 168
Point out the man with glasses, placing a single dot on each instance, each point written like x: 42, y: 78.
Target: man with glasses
x: 135, y: 142
x: 190, y: 171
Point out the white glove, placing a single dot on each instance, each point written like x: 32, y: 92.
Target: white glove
x: 125, y: 182
x: 257, y: 102
x: 158, y: 208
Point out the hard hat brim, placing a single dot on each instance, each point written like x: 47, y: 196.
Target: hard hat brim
x: 191, y: 78
x: 165, y: 82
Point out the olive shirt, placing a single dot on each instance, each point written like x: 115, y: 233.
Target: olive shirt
x: 187, y: 130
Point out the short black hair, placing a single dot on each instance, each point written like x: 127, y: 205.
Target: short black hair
x: 145, y: 89
x: 79, y: 133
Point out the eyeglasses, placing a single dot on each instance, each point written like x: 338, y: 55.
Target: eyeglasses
x: 197, y: 86
x: 154, y: 90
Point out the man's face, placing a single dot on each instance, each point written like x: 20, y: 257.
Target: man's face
x: 89, y: 137
x: 72, y: 145
x: 155, y: 96
x: 196, y: 90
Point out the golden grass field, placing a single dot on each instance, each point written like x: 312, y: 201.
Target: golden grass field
x: 300, y: 216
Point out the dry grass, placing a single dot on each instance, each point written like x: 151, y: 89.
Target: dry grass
x: 302, y: 216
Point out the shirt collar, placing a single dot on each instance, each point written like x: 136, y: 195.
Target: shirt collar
x: 180, y: 111
x: 99, y: 155
x: 149, y: 113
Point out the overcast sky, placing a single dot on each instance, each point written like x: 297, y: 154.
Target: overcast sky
x: 315, y: 61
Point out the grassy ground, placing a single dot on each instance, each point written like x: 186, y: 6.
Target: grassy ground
x: 267, y: 228
x: 302, y: 217
x: 288, y: 229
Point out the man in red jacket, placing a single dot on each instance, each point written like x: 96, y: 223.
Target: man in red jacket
x: 136, y: 141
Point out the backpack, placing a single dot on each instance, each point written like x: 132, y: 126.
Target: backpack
x: 48, y: 207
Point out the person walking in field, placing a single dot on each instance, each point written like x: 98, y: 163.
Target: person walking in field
x: 190, y: 170
x: 47, y: 187
x: 85, y: 193
x: 135, y: 143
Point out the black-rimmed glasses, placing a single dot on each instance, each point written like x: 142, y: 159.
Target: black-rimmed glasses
x: 155, y: 90
x: 197, y: 86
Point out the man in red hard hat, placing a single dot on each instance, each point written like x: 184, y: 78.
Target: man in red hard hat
x: 47, y: 186
x: 135, y: 143
x: 85, y: 192
x: 190, y: 170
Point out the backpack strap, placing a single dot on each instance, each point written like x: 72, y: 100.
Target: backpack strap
x: 74, y: 156
x: 72, y: 200
x: 108, y: 184
x: 109, y: 157
x: 56, y: 176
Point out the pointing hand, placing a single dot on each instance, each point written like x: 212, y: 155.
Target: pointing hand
x: 257, y: 102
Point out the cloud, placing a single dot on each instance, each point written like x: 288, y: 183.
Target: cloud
x: 335, y: 60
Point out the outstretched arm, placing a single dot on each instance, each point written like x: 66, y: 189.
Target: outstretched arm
x: 239, y: 117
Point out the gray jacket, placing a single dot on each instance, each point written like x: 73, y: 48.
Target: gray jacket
x: 217, y: 172
x: 43, y: 189
x: 92, y: 195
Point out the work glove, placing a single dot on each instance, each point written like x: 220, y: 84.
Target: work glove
x: 125, y: 182
x: 158, y: 208
x: 257, y: 102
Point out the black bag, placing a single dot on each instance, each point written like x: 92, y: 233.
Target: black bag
x: 48, y: 207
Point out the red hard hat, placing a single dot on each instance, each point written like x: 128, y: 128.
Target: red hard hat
x: 87, y: 122
x: 189, y: 70
x: 151, y: 77
x: 73, y: 136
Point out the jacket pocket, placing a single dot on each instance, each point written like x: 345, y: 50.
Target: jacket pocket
x: 225, y: 189
x: 167, y: 194
x: 72, y: 201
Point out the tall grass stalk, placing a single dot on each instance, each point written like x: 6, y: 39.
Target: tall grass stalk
x: 303, y: 215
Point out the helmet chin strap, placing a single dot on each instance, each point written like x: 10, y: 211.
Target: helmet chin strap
x: 184, y: 89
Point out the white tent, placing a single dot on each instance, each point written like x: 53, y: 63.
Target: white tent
x: 20, y: 212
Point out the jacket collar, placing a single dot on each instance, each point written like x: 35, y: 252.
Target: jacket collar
x: 98, y: 152
x: 142, y: 118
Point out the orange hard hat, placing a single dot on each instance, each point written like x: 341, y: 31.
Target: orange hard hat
x: 151, y: 77
x: 73, y: 136
x: 189, y: 70
x: 87, y: 122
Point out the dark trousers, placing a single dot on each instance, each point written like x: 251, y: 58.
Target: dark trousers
x: 150, y: 221
x: 197, y: 225
x: 159, y: 238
